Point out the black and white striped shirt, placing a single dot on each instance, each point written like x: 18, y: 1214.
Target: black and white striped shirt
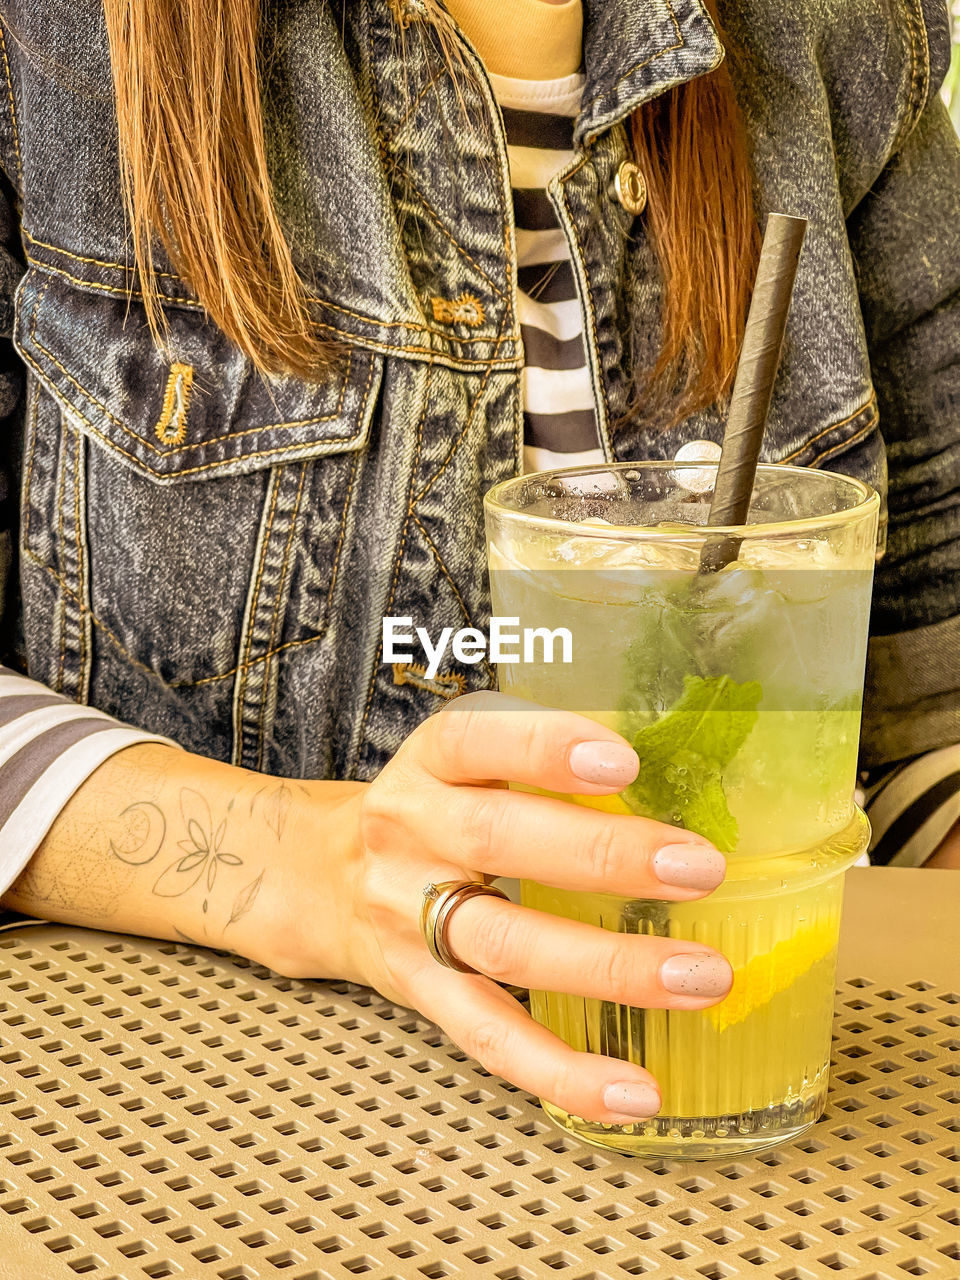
x: 913, y: 806
x: 49, y: 746
x: 560, y: 425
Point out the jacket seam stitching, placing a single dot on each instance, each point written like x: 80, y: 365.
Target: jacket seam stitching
x: 346, y: 334
x: 199, y: 444
x: 192, y: 302
x: 919, y: 72
x: 278, y: 599
x: 324, y: 621
x: 396, y: 566
x: 434, y: 355
x: 246, y: 642
x: 97, y: 262
x: 132, y: 658
x: 99, y: 286
x: 456, y: 443
x: 112, y: 444
x: 33, y: 402
x: 921, y: 56
x: 435, y: 219
x: 453, y: 586
x: 591, y: 314
x: 13, y: 107
x: 681, y: 43
x: 833, y: 426
x: 867, y: 427
x: 401, y: 124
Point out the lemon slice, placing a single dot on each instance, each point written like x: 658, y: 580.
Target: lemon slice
x: 760, y: 979
x: 606, y: 804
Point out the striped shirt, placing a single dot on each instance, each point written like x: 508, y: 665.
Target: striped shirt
x: 913, y: 806
x: 560, y: 423
x: 49, y: 746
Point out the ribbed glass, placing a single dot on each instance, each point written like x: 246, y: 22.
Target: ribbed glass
x: 752, y: 1070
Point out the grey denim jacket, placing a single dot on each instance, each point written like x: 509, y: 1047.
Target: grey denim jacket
x: 209, y: 556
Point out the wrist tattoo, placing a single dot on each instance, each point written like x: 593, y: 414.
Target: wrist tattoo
x: 203, y: 853
x: 274, y: 804
x: 97, y: 850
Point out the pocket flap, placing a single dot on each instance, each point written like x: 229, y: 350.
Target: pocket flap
x: 197, y: 409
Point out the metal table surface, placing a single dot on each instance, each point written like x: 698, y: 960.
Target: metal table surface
x: 170, y: 1111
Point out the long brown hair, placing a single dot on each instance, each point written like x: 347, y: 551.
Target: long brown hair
x: 187, y: 81
x: 691, y: 145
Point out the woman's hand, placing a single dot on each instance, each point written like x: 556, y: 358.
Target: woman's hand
x: 440, y: 811
x: 325, y: 880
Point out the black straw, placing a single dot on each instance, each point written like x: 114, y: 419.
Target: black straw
x: 753, y: 387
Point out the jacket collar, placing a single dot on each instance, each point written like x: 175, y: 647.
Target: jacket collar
x: 636, y: 49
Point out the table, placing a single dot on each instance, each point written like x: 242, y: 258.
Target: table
x: 170, y: 1111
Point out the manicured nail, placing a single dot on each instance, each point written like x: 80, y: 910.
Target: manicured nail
x: 608, y: 764
x: 697, y: 975
x: 631, y: 1100
x: 689, y: 866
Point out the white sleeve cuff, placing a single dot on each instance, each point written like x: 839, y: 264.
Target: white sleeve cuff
x: 37, y: 809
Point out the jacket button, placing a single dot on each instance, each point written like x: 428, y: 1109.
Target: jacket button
x: 630, y: 187
x: 697, y: 479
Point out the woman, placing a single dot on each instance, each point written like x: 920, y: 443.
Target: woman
x: 267, y: 308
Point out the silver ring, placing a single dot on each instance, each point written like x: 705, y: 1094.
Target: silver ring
x: 437, y: 906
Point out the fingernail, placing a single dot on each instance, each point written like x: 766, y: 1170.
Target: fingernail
x: 631, y: 1100
x: 689, y: 866
x: 608, y: 764
x: 697, y: 975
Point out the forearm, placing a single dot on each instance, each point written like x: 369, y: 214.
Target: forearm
x: 173, y: 845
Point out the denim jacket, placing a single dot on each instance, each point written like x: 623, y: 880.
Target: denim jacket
x: 209, y: 555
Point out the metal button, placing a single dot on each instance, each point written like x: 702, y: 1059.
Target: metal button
x: 698, y: 451
x: 695, y: 479
x: 630, y: 187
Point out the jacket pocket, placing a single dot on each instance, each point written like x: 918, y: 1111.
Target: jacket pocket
x: 184, y: 522
x: 196, y: 409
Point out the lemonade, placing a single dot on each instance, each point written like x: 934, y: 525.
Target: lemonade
x: 750, y: 1070
x: 741, y: 692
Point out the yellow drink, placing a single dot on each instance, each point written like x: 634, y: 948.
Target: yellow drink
x: 740, y: 691
x: 753, y: 1069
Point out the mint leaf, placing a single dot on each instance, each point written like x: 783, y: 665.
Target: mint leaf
x: 706, y: 812
x: 684, y: 752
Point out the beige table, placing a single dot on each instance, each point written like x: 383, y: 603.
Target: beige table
x: 167, y: 1111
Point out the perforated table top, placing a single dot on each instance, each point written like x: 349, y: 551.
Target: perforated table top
x: 170, y: 1111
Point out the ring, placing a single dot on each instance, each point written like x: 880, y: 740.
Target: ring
x: 439, y: 903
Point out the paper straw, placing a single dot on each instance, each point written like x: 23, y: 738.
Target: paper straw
x: 753, y: 387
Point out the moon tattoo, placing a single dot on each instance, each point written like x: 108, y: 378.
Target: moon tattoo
x: 139, y: 849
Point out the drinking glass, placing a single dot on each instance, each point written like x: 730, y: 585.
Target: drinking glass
x: 740, y: 687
